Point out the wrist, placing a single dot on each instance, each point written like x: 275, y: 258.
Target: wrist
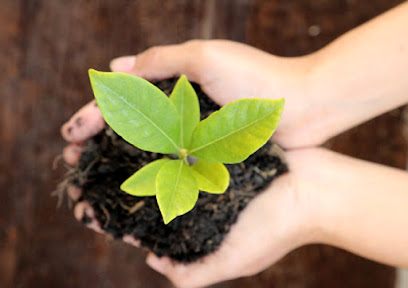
x: 294, y: 79
x: 308, y: 228
x: 310, y: 213
x: 317, y: 99
x: 293, y: 211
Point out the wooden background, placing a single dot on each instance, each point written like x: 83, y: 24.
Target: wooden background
x: 46, y: 47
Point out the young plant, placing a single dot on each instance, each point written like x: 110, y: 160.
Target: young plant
x: 146, y: 118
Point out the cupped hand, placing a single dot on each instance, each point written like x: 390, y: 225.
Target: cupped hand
x: 274, y: 223
x: 228, y: 71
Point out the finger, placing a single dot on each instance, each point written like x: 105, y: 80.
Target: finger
x: 74, y: 192
x: 161, y: 265
x: 72, y: 153
x: 85, y: 213
x: 164, y: 62
x: 197, y: 274
x: 131, y: 240
x: 87, y: 122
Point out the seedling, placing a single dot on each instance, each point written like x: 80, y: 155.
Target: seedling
x: 146, y: 118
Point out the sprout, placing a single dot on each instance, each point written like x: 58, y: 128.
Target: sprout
x: 146, y: 118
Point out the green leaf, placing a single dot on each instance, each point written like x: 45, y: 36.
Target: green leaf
x: 137, y: 110
x: 185, y: 100
x: 143, y: 182
x: 236, y: 131
x: 177, y: 190
x: 211, y: 177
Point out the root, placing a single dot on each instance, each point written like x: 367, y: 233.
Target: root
x: 69, y: 176
x: 60, y: 192
x: 265, y: 174
x: 136, y: 207
x: 108, y: 217
x: 82, y: 175
x: 132, y: 209
x: 56, y: 161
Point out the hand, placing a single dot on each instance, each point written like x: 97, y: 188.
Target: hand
x: 325, y: 198
x: 251, y: 246
x: 274, y: 223
x: 227, y: 71
x: 359, y: 196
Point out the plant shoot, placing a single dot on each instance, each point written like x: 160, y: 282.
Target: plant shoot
x: 146, y: 118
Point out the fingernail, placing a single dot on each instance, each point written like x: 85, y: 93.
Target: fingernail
x: 154, y: 262
x: 122, y: 64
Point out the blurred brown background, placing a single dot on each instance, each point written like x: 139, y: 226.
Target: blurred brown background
x: 46, y: 47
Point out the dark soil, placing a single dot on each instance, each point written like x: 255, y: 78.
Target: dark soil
x: 108, y: 160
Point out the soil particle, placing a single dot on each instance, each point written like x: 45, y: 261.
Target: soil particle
x: 78, y: 121
x: 108, y: 160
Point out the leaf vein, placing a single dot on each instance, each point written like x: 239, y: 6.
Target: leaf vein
x: 143, y: 115
x: 176, y: 183
x: 229, y: 134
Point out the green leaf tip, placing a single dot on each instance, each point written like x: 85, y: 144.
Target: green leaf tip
x: 211, y: 177
x: 92, y: 72
x: 143, y: 182
x: 184, y: 99
x: 177, y: 190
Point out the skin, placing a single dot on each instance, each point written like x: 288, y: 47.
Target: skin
x: 344, y: 202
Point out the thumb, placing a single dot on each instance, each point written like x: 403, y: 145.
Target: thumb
x: 163, y: 62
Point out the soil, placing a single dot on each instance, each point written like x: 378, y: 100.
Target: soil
x: 108, y: 160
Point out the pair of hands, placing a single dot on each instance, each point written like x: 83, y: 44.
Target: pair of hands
x: 280, y: 219
x: 326, y: 197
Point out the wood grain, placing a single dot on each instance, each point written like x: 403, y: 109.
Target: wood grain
x: 46, y: 48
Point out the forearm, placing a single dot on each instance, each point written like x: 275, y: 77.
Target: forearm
x: 363, y: 208
x: 362, y: 74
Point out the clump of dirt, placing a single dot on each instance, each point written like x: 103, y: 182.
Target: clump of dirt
x: 108, y: 160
